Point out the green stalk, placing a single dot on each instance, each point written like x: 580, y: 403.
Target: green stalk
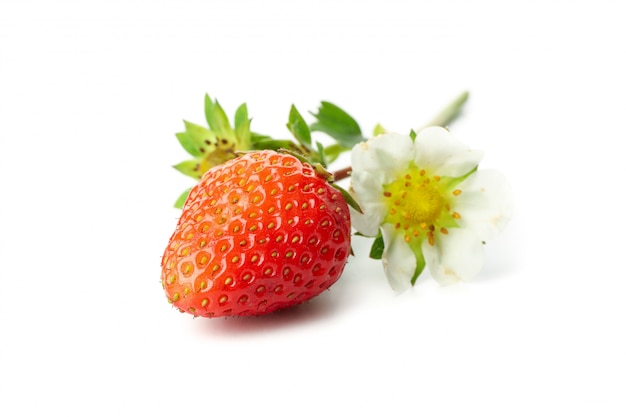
x: 450, y: 112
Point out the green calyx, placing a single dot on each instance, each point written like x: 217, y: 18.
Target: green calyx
x: 221, y: 141
x: 216, y: 144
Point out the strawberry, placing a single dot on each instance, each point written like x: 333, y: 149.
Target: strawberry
x: 258, y: 233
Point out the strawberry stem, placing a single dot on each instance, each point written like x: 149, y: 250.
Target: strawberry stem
x: 342, y: 173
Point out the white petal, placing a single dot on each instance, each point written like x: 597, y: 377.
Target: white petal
x: 485, y: 204
x: 457, y: 256
x: 437, y: 149
x: 368, y: 223
x: 384, y: 156
x: 369, y: 194
x: 398, y: 259
x: 367, y: 187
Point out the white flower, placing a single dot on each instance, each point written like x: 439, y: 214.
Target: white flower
x: 430, y: 202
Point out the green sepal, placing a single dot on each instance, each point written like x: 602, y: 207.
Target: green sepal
x: 298, y: 127
x: 337, y: 124
x: 420, y: 262
x: 241, y: 116
x: 412, y: 134
x: 379, y: 130
x: 243, y: 134
x: 201, y: 137
x: 258, y: 137
x: 302, y: 158
x: 322, y: 171
x: 378, y: 247
x: 217, y: 119
x: 447, y: 220
x: 451, y: 183
x: 321, y: 155
x: 188, y: 144
x: 275, y: 145
x: 191, y: 168
x: 242, y: 127
x: 349, y: 199
x: 180, y: 202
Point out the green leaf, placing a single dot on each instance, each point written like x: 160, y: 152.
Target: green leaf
x: 378, y: 247
x: 298, y: 127
x: 188, y: 144
x: 217, y: 119
x: 180, y: 202
x: 333, y: 151
x: 190, y: 168
x: 349, y: 199
x: 337, y: 124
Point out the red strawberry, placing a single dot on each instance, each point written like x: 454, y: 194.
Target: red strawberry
x: 258, y: 233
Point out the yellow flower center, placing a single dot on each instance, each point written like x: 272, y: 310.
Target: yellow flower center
x: 423, y: 205
x: 419, y: 204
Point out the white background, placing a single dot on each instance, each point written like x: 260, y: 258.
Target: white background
x: 91, y: 94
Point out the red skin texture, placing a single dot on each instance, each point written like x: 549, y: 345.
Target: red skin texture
x: 259, y: 233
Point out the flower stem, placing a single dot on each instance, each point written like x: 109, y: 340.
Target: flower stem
x: 450, y: 112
